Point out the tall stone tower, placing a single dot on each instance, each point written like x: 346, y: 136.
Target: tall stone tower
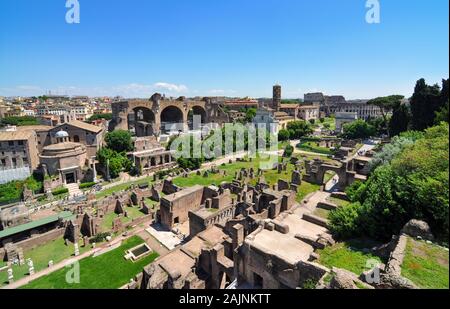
x: 276, y: 101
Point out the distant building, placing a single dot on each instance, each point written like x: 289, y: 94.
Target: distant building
x: 18, y: 155
x: 149, y: 156
x: 272, y: 120
x: 276, y: 99
x: 29, y: 112
x: 361, y: 108
x: 238, y: 104
x: 80, y: 132
x: 58, y: 110
x: 276, y: 116
x: 337, y: 103
x: 316, y: 97
x: 64, y: 159
x: 81, y: 112
x: 309, y: 112
x: 342, y: 118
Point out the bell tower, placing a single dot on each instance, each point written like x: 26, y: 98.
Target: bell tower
x: 276, y: 100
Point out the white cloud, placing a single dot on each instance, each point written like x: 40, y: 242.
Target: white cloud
x: 29, y: 88
x: 221, y: 91
x: 171, y: 87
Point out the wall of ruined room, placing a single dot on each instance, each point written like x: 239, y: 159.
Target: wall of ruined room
x: 180, y: 207
x: 250, y: 260
x: 35, y: 241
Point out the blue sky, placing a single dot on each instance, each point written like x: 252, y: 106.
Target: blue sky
x: 221, y: 47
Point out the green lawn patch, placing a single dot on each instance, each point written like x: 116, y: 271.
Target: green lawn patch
x: 312, y: 146
x: 123, y: 187
x: 426, y: 265
x: 55, y: 250
x: 107, y: 271
x: 347, y: 255
x: 133, y: 213
x: 331, y: 122
x: 328, y: 176
x: 322, y: 213
x: 337, y: 201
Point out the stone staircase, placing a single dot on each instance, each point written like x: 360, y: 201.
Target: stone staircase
x: 74, y: 190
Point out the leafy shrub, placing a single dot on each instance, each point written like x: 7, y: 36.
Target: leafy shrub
x: 309, y: 284
x: 283, y: 135
x: 413, y: 185
x: 344, y: 220
x: 288, y: 151
x: 298, y: 129
x: 60, y: 191
x: 86, y: 185
x: 354, y: 191
x: 100, y: 237
x: 358, y: 129
x: 19, y: 121
x: 12, y: 191
x: 119, y: 141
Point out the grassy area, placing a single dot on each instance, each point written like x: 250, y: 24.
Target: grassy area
x: 107, y: 271
x: 312, y: 157
x: 55, y: 250
x: 271, y: 176
x: 347, y: 255
x: 331, y: 122
x: 426, y: 265
x: 216, y: 179
x: 328, y: 176
x: 337, y: 201
x: 305, y: 189
x: 321, y: 212
x: 122, y: 187
x: 133, y: 213
x: 313, y: 147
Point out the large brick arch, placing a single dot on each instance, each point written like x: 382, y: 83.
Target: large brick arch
x: 157, y: 104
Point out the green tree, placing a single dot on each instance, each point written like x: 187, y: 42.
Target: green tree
x: 386, y: 105
x: 344, y: 221
x: 119, y: 141
x: 298, y: 129
x: 379, y: 124
x: 19, y: 121
x: 425, y: 102
x: 288, y: 151
x: 250, y: 113
x: 12, y: 191
x: 358, y: 129
x: 116, y: 162
x: 400, y: 120
x: 442, y: 114
x: 283, y: 135
x: 107, y: 116
x: 413, y: 185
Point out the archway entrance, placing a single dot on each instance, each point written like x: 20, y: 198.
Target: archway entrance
x: 172, y: 120
x: 70, y: 178
x: 330, y: 181
x: 141, y: 120
x: 196, y: 118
